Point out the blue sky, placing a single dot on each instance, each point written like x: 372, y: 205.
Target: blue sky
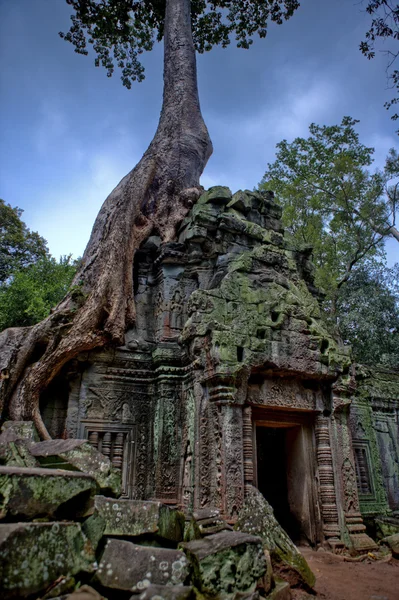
x: 69, y: 134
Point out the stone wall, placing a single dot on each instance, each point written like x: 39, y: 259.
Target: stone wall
x: 375, y: 431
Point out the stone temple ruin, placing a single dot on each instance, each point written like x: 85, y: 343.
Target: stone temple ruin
x: 230, y: 380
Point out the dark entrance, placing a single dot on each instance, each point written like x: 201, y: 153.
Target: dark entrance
x: 272, y: 476
x: 286, y: 475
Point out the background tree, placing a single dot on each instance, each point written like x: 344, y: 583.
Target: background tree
x: 19, y: 247
x: 33, y: 291
x: 384, y: 32
x: 332, y: 201
x: 153, y: 198
x: 368, y: 314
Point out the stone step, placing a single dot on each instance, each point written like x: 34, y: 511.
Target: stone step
x: 35, y: 492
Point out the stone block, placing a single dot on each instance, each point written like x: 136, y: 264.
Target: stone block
x: 33, y: 493
x: 219, y: 194
x: 33, y: 555
x: 14, y: 452
x: 127, y: 566
x: 241, y: 202
x: 257, y: 517
x: 226, y: 563
x: 138, y: 517
x: 393, y: 542
x: 79, y: 455
x: 25, y: 430
x: 166, y: 592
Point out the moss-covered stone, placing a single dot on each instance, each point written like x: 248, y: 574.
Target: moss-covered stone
x: 79, y: 455
x: 33, y: 555
x: 137, y: 517
x: 256, y: 517
x: 22, y: 430
x: 33, y: 493
x: 226, y: 563
x: 127, y: 566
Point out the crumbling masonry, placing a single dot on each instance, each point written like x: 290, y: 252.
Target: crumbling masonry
x: 230, y: 379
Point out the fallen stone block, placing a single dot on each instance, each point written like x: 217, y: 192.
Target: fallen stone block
x: 14, y: 452
x: 209, y: 521
x: 127, y: 566
x: 256, y: 517
x: 226, y: 563
x: 33, y: 493
x: 138, y: 517
x: 25, y: 430
x: 81, y: 456
x: 166, y: 592
x: 32, y: 555
x: 393, y: 542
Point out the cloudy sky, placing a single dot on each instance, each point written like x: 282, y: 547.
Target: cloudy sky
x: 69, y: 134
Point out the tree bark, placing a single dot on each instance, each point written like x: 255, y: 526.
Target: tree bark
x: 153, y: 198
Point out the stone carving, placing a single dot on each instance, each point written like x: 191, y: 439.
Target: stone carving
x: 228, y: 325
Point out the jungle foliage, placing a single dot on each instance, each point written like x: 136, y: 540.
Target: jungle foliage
x: 121, y: 30
x: 333, y: 202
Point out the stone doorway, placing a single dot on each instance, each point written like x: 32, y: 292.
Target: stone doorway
x: 286, y: 472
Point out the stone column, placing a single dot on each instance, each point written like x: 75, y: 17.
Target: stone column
x: 248, y: 448
x: 221, y: 464
x: 327, y: 488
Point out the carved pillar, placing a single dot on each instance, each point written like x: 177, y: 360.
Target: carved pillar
x: 248, y: 450
x: 327, y: 489
x: 230, y: 444
x: 168, y: 428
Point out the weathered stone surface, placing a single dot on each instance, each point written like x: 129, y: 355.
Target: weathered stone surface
x: 393, y: 542
x: 256, y: 517
x: 163, y: 592
x: 209, y: 521
x: 61, y: 587
x: 21, y: 429
x: 32, y: 493
x: 219, y: 194
x: 14, y: 451
x: 80, y: 455
x: 127, y: 566
x: 137, y: 517
x: 386, y: 526
x: 32, y: 555
x: 281, y: 591
x: 226, y: 563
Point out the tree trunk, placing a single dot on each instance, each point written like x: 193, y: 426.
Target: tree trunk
x: 153, y: 198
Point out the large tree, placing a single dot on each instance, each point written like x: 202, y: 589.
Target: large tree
x: 333, y: 202
x: 153, y: 198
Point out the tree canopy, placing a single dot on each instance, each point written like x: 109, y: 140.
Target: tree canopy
x: 384, y: 34
x: 332, y: 201
x: 368, y: 314
x: 34, y: 290
x: 19, y: 247
x: 121, y: 30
